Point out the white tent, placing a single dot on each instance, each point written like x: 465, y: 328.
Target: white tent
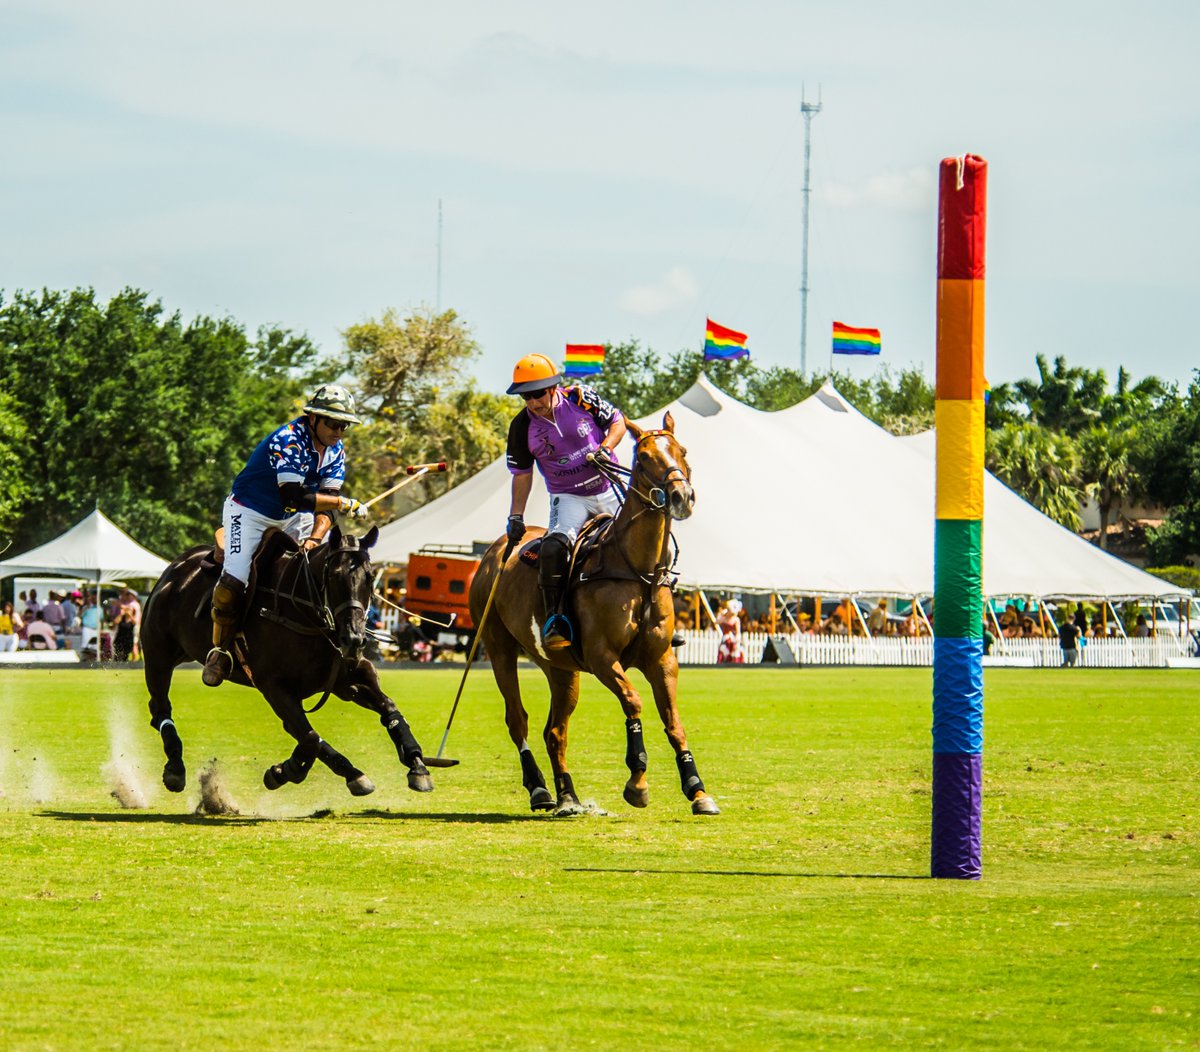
x: 814, y: 499
x: 94, y: 549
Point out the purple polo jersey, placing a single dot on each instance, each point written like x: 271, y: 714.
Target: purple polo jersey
x: 581, y: 420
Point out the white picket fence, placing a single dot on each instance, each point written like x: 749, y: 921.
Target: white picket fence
x: 701, y: 649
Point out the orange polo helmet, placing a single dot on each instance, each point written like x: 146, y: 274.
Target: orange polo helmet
x: 534, y: 372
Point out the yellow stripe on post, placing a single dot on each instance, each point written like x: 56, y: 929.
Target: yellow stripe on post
x: 960, y: 458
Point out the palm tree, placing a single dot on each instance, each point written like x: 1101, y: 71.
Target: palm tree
x: 1042, y: 466
x: 1107, y: 461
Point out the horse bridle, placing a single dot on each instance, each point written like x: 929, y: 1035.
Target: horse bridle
x: 656, y: 498
x: 318, y: 604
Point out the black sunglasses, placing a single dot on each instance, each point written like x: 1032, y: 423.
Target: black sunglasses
x: 529, y: 396
x: 335, y: 425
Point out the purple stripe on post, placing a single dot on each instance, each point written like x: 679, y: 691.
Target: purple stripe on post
x: 957, y: 849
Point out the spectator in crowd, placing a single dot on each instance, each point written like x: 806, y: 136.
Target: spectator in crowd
x: 89, y: 619
x: 70, y: 609
x: 877, y: 619
x: 40, y: 635
x: 729, y: 623
x: 989, y: 640
x: 128, y: 623
x: 834, y: 625
x: 1080, y: 619
x: 52, y: 614
x: 1068, y: 639
x: 32, y: 606
x: 10, y: 628
x: 1141, y: 630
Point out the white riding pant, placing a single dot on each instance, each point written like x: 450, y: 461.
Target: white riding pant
x: 244, y: 528
x: 569, y: 511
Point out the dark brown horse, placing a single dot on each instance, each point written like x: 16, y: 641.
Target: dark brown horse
x: 304, y: 632
x: 624, y: 618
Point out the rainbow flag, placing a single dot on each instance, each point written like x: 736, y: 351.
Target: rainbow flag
x: 849, y: 340
x: 583, y: 359
x: 722, y: 344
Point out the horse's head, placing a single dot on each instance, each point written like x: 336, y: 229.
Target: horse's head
x: 660, y: 469
x: 347, y: 582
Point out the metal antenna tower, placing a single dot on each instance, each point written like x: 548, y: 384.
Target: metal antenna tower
x: 808, y: 110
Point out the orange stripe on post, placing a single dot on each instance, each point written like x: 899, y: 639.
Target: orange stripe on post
x: 960, y: 340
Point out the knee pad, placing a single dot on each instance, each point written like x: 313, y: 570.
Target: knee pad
x: 227, y: 599
x: 553, y: 557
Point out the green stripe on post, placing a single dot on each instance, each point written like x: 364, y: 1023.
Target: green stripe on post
x: 957, y: 579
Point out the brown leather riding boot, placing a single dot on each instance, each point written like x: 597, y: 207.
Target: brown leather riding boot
x: 226, y: 611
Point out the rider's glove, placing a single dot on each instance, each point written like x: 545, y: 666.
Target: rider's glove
x: 516, y: 528
x: 352, y: 507
x: 604, y: 455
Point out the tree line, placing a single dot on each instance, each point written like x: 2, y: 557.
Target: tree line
x: 126, y: 406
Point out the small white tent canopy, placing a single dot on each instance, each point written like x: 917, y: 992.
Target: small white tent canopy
x: 95, y: 549
x: 814, y: 499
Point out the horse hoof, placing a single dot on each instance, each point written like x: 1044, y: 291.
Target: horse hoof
x: 540, y: 799
x: 419, y: 780
x: 636, y: 797
x: 273, y: 777
x: 360, y: 786
x: 568, y: 805
x: 705, y: 805
x: 174, y: 777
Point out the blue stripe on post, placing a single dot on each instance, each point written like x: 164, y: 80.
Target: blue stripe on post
x: 957, y: 695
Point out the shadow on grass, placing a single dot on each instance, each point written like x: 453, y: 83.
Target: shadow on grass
x: 191, y: 819
x: 187, y: 819
x: 748, y: 873
x: 487, y: 818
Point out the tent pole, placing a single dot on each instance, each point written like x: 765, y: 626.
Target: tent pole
x: 707, y: 609
x: 772, y: 613
x: 795, y: 625
x: 861, y: 620
x: 921, y: 610
x: 995, y: 623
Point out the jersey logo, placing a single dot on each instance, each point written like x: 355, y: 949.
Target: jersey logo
x: 584, y: 429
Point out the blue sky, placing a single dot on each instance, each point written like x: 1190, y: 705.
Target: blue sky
x: 613, y: 171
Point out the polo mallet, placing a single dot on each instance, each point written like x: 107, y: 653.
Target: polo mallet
x: 437, y: 761
x: 414, y: 471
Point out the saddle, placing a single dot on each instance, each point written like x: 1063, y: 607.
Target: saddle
x: 589, y: 563
x: 275, y: 544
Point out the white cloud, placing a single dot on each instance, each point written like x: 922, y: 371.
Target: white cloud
x: 908, y: 191
x: 676, y: 288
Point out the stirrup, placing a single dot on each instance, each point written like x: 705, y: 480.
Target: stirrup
x: 214, y: 675
x: 557, y: 633
x: 678, y: 640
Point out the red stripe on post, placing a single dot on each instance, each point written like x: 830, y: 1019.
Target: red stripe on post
x: 962, y: 217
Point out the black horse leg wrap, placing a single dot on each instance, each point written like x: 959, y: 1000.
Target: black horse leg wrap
x: 402, y: 737
x: 172, y: 746
x: 336, y: 762
x: 635, y: 746
x: 689, y: 777
x: 563, y: 785
x: 531, y: 775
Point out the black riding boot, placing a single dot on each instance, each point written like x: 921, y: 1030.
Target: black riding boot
x: 553, y: 562
x: 226, y: 612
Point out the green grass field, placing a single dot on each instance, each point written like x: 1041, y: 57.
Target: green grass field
x: 802, y: 916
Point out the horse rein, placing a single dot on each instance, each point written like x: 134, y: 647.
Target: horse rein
x: 656, y: 499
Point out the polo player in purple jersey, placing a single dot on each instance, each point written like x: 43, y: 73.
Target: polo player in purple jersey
x: 558, y: 428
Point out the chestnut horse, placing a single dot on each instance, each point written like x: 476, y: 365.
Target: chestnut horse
x: 624, y: 618
x: 304, y: 631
